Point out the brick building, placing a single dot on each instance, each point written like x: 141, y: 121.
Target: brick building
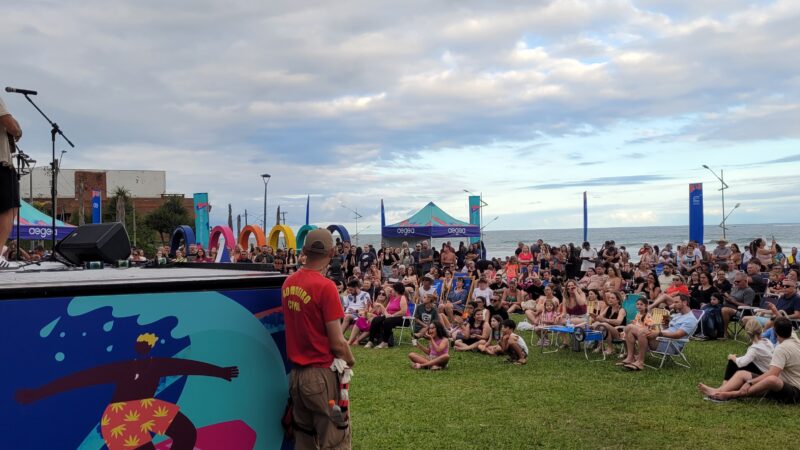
x: 147, y: 189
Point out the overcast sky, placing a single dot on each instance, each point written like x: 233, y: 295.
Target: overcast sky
x: 530, y: 103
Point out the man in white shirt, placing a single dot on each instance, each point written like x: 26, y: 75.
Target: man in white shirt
x: 426, y: 288
x: 355, y: 301
x: 588, y: 258
x: 10, y: 132
x: 665, y: 279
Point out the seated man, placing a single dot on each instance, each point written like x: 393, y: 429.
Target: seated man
x: 741, y: 295
x: 356, y: 300
x: 781, y: 382
x: 681, y: 326
x: 598, y: 280
x: 788, y: 302
x: 665, y: 279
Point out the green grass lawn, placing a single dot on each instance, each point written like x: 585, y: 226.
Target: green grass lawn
x: 557, y: 400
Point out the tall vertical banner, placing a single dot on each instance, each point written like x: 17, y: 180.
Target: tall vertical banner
x: 201, y: 210
x: 696, y: 212
x: 585, y: 219
x: 97, y: 206
x: 474, y: 214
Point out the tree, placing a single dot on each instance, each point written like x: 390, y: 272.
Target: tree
x: 170, y: 215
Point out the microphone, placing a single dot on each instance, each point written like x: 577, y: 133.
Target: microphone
x: 20, y: 91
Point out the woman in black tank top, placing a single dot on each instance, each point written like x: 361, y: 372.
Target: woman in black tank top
x: 610, y: 318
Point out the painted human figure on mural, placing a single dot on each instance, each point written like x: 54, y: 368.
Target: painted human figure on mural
x: 133, y: 414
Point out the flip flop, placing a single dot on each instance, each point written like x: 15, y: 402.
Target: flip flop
x: 631, y: 368
x: 622, y: 363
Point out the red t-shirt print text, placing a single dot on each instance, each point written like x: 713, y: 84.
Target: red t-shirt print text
x: 309, y: 301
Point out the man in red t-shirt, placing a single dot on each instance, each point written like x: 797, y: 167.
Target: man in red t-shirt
x: 312, y: 311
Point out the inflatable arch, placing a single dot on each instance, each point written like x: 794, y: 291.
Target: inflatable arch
x: 342, y: 232
x: 244, y: 237
x: 301, y: 235
x: 216, y: 232
x: 275, y: 233
x: 183, y: 232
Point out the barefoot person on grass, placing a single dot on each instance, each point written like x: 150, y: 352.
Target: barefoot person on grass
x: 781, y: 382
x: 512, y: 344
x: 437, y: 355
x: 681, y: 326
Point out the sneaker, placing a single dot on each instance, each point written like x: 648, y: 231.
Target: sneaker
x: 383, y: 345
x: 369, y: 345
x: 414, y: 342
x: 6, y: 264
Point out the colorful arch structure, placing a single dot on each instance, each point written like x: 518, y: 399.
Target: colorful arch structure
x: 275, y: 233
x: 221, y: 231
x: 301, y: 234
x: 183, y: 232
x: 244, y: 237
x: 341, y: 230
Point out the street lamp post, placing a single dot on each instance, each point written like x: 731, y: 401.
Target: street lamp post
x: 265, y: 177
x: 721, y: 178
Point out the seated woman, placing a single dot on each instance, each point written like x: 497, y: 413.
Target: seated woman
x: 701, y: 293
x: 472, y: 334
x: 573, y: 301
x: 533, y: 314
x: 456, y: 300
x: 614, y: 282
x: 758, y: 355
x: 671, y: 295
x: 492, y: 346
x: 437, y: 355
x: 381, y: 328
x: 610, y: 318
x: 410, y: 278
x: 513, y: 297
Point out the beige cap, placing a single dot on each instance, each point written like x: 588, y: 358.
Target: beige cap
x: 318, y: 242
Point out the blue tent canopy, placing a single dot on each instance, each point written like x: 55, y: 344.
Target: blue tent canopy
x: 36, y: 225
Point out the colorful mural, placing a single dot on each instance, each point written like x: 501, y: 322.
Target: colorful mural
x: 202, y: 370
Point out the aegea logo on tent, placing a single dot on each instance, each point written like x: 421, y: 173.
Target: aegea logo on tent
x: 44, y: 232
x: 406, y: 231
x: 456, y: 230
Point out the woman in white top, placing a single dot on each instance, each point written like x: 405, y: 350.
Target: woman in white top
x: 758, y: 355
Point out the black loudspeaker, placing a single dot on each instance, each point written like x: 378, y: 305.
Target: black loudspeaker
x: 106, y: 242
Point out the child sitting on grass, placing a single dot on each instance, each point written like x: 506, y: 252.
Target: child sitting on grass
x: 492, y: 346
x: 360, y: 329
x: 424, y: 315
x: 513, y: 345
x: 437, y: 355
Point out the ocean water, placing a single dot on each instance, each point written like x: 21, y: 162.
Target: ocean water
x: 503, y: 243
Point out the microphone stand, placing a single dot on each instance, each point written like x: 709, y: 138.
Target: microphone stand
x: 54, y: 130
x: 23, y: 161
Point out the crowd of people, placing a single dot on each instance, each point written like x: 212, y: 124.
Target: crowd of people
x: 454, y: 296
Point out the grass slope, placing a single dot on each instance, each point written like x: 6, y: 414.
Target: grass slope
x: 557, y: 400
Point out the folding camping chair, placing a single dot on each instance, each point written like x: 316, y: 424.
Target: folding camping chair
x: 698, y: 314
x: 673, y: 349
x: 408, y: 322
